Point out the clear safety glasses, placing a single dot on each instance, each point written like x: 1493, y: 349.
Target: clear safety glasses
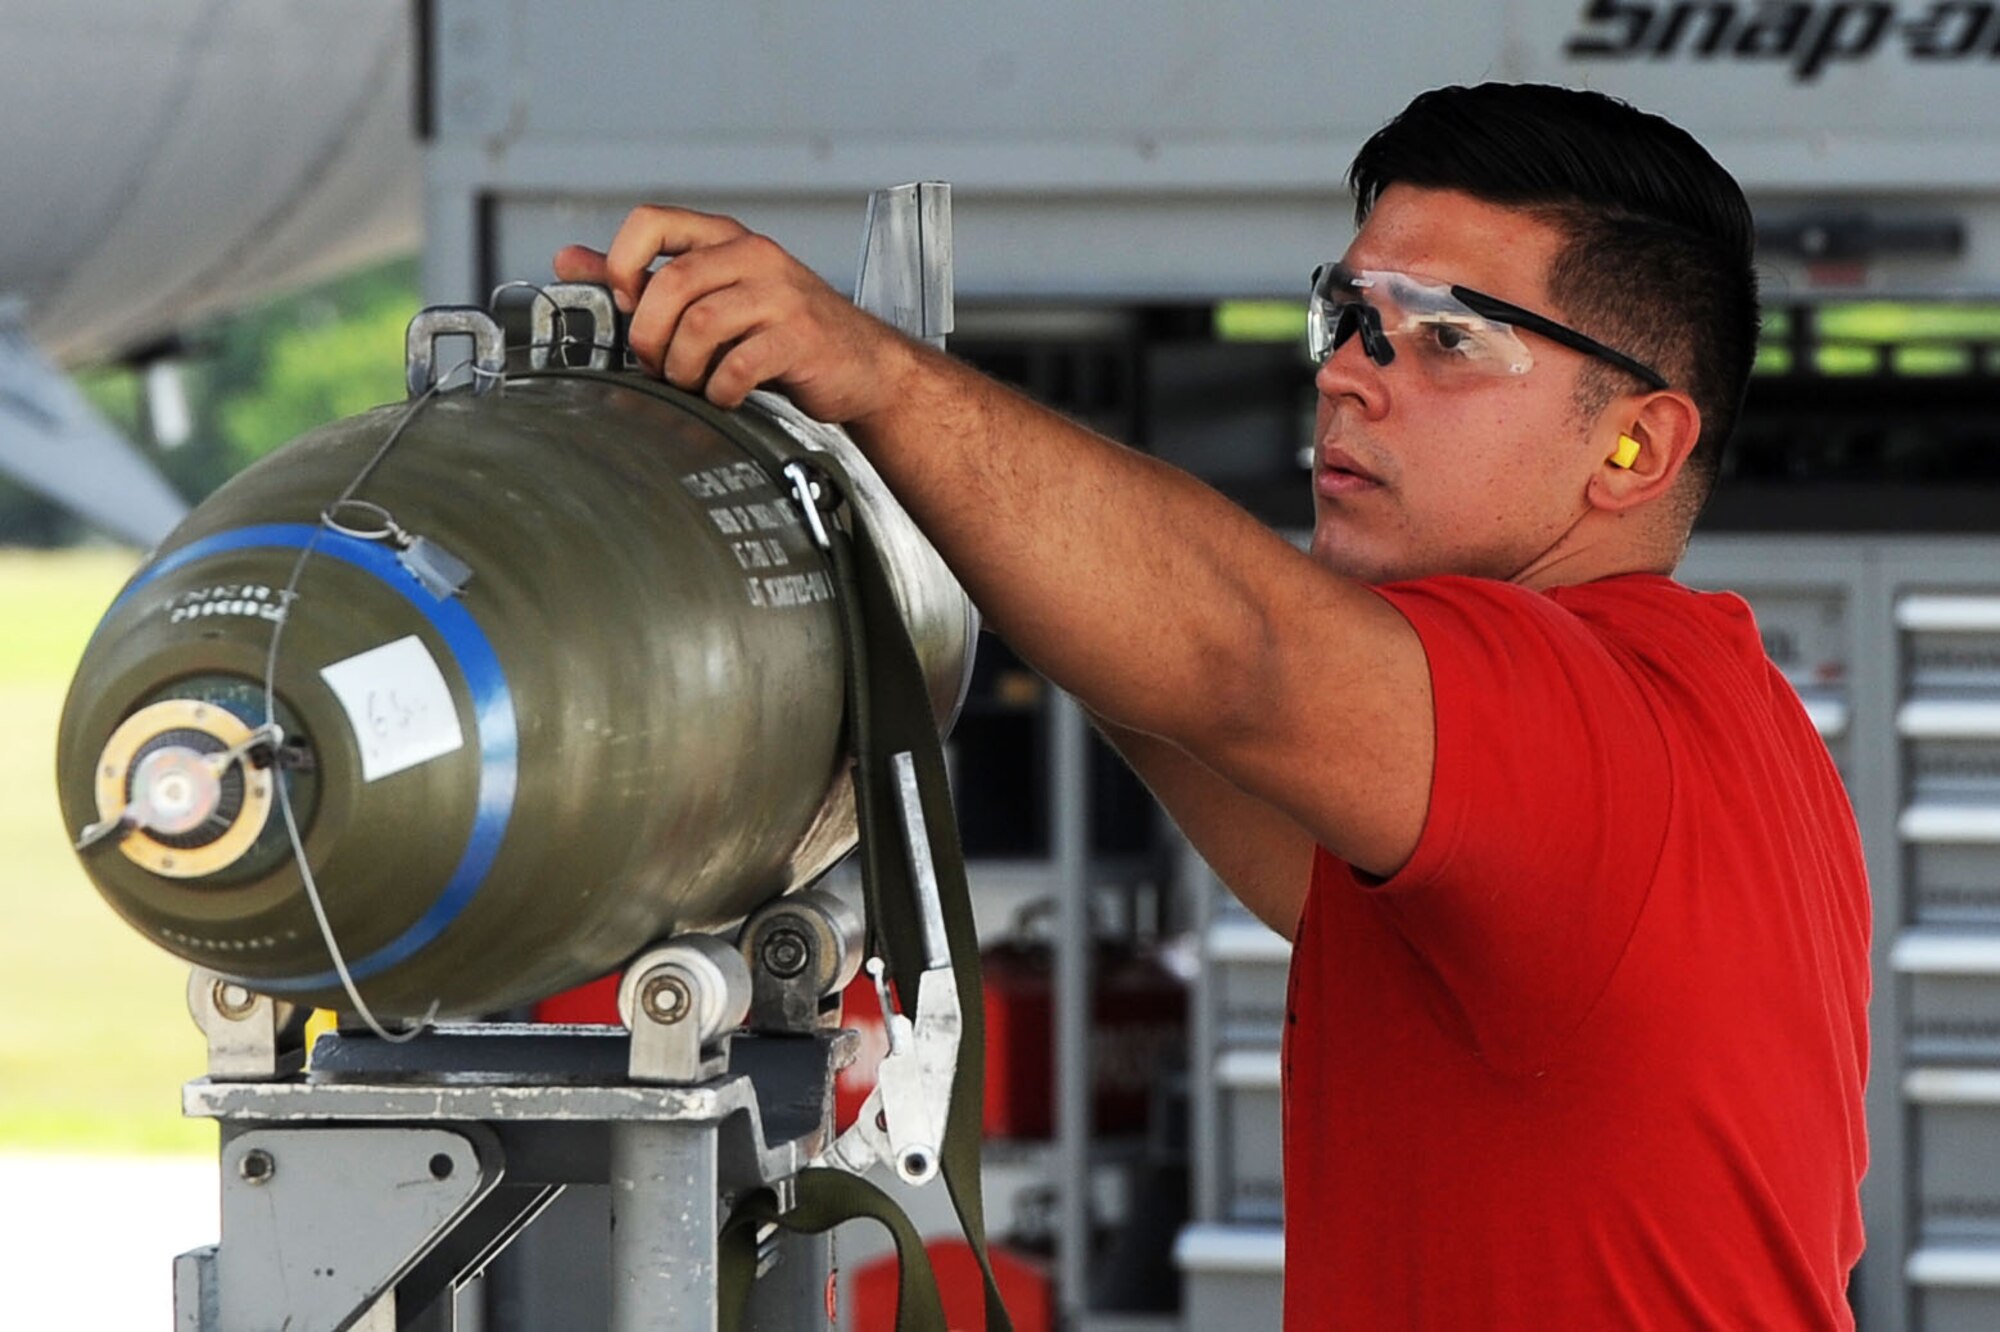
x: 1450, y: 327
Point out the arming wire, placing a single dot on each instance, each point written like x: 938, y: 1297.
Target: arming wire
x: 561, y: 338
x: 286, y: 600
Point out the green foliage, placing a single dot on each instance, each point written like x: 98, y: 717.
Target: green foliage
x: 317, y: 358
x: 114, y: 391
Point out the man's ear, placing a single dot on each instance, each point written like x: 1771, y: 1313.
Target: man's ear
x: 1642, y: 442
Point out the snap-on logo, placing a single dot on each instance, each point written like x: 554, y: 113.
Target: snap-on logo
x: 1807, y: 37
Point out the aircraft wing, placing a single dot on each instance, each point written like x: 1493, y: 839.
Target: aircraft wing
x: 53, y: 441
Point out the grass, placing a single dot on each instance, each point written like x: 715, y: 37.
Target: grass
x: 95, y: 1039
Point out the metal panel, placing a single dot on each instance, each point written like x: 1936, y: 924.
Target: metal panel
x: 1138, y: 86
x: 1129, y: 151
x: 1009, y: 246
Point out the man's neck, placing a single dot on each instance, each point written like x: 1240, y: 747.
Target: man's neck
x: 1571, y: 564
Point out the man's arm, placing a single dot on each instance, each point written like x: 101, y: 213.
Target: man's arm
x: 1261, y: 855
x: 1163, y: 607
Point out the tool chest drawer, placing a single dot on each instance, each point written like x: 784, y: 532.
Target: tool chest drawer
x: 1251, y: 1119
x: 1957, y: 1287
x: 1955, y: 1142
x: 1248, y: 964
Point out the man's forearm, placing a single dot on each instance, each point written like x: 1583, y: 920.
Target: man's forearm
x: 1127, y: 581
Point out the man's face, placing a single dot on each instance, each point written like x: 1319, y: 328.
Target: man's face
x: 1418, y: 472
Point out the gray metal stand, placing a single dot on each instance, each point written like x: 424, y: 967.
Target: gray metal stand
x: 366, y: 1193
x: 663, y: 1226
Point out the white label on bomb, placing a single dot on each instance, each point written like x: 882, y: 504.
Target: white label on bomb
x: 399, y: 705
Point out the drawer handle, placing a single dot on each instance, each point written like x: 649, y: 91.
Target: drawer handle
x: 1938, y: 953
x: 1829, y: 716
x: 1961, y: 1265
x: 1212, y: 1248
x: 1950, y: 823
x: 1966, y: 615
x: 1936, y: 719
x: 1249, y: 1070
x: 1952, y: 1086
x: 1246, y: 941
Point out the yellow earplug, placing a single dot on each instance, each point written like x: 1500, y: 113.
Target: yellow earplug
x: 1628, y: 452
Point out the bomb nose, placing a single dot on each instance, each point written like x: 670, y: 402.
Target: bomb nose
x: 173, y: 788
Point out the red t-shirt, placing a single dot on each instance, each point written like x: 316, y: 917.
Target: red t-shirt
x: 1594, y: 1058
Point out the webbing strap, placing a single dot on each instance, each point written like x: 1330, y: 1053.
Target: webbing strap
x: 888, y: 712
x: 825, y: 1199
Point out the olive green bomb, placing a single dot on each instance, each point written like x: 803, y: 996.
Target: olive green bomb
x: 561, y: 676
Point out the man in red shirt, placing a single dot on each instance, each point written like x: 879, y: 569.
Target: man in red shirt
x: 1577, y: 1032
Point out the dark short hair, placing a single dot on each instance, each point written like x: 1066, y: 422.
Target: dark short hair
x: 1660, y: 253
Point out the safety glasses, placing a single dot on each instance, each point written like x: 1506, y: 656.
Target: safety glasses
x: 1450, y: 328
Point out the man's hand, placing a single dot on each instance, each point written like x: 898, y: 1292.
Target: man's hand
x: 732, y: 311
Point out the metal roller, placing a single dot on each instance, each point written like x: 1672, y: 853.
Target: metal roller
x: 562, y: 678
x: 814, y: 937
x: 697, y: 979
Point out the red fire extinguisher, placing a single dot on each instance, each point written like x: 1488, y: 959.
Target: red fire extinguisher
x: 1138, y: 1027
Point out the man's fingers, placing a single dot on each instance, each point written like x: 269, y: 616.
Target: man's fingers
x: 579, y: 263
x: 707, y: 326
x: 732, y: 311
x: 746, y: 263
x: 666, y: 295
x: 755, y: 360
x: 652, y: 230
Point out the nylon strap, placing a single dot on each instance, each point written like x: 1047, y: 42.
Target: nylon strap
x: 888, y: 712
x: 824, y: 1199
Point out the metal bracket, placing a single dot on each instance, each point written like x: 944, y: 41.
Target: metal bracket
x: 916, y: 1087
x: 903, y: 1119
x: 489, y: 347
x: 553, y: 303
x: 905, y: 277
x: 251, y: 1037
x: 291, y: 1251
x: 808, y: 489
x: 681, y: 1001
x: 923, y: 868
